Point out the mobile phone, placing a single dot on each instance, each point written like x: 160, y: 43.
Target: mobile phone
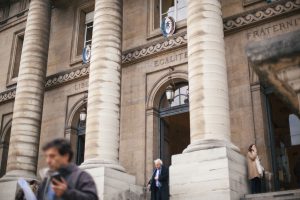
x: 56, y: 176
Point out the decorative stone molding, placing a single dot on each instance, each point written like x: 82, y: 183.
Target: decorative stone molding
x: 154, y: 48
x: 51, y: 81
x: 258, y: 15
x: 7, y: 95
x: 63, y: 77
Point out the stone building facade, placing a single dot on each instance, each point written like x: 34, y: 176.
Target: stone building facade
x: 233, y: 64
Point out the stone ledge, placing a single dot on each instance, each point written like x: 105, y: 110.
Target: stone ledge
x: 281, y: 195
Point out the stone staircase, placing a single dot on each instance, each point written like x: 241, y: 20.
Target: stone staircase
x: 282, y: 195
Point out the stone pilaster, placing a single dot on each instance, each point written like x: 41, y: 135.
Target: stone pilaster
x: 210, y: 167
x: 103, y: 105
x: 28, y: 106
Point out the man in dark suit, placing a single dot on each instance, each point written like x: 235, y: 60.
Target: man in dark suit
x: 159, y: 182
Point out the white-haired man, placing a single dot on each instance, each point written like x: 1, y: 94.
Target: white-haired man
x: 159, y: 182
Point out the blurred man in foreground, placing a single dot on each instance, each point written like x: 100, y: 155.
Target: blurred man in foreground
x: 64, y: 180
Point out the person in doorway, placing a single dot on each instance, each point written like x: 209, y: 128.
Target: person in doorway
x: 253, y: 174
x: 159, y: 182
x: 65, y: 181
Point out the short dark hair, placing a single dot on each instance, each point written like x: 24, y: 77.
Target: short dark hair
x: 62, y: 145
x: 250, y: 147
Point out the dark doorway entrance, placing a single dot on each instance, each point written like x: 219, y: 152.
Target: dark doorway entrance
x: 284, y: 133
x: 5, y: 148
x: 80, y: 141
x: 174, y: 124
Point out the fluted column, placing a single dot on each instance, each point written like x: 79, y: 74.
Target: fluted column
x: 27, y: 112
x: 103, y: 107
x: 209, y: 104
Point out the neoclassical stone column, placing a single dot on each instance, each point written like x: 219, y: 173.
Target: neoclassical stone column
x: 28, y: 105
x: 210, y: 166
x: 209, y: 103
x: 103, y: 106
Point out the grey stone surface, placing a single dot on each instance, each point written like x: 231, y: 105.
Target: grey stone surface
x: 286, y: 45
x: 115, y: 185
x: 216, y: 173
x: 8, y: 190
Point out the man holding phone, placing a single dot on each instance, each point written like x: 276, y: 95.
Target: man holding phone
x: 65, y: 181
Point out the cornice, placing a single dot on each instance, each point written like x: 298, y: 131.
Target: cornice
x: 231, y: 25
x: 14, y: 20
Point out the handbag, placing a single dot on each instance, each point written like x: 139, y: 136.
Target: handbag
x: 259, y: 167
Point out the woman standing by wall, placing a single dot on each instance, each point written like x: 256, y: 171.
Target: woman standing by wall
x: 253, y: 172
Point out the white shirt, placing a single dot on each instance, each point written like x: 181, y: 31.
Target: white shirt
x: 157, y: 175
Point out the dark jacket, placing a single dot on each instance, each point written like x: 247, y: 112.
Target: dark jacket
x: 81, y: 185
x: 164, y: 181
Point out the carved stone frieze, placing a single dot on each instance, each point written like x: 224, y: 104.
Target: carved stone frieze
x: 276, y: 9
x: 51, y: 81
x: 57, y: 79
x: 155, y: 48
x: 7, y: 95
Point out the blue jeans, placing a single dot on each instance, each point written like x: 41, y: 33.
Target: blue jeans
x: 255, y: 185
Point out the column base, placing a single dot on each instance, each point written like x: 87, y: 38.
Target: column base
x: 210, y: 144
x: 8, y: 189
x: 214, y: 173
x: 95, y: 163
x: 9, y: 185
x: 113, y: 184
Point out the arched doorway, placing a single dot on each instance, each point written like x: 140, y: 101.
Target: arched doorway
x: 75, y: 131
x: 4, y: 147
x: 174, y: 123
x: 154, y: 115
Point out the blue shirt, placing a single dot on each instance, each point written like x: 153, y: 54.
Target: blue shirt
x: 50, y: 193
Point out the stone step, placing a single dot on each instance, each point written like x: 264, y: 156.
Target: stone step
x: 281, y: 195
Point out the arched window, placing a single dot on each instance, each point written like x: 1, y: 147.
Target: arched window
x: 181, y: 97
x: 174, y: 122
x: 75, y: 129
